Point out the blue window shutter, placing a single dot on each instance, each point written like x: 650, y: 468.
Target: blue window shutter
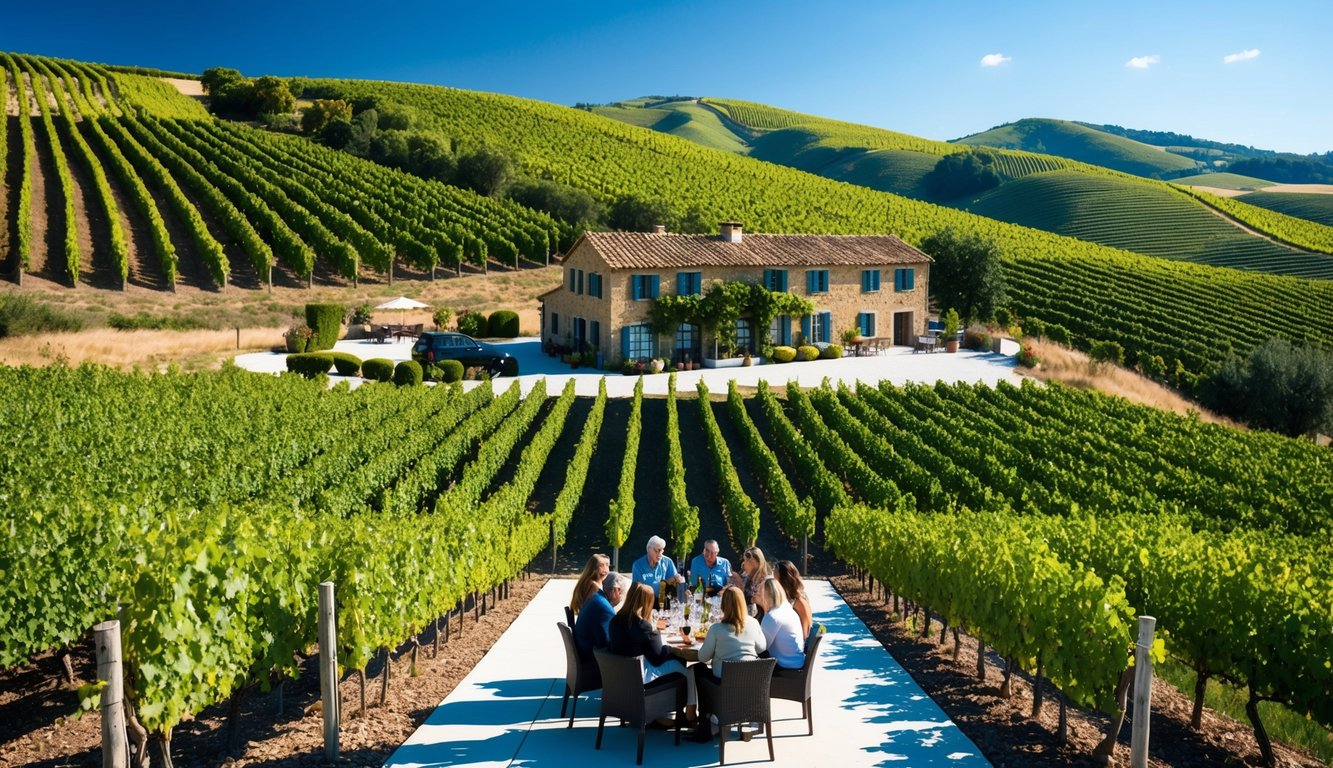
x: 823, y: 281
x: 624, y: 343
x: 636, y: 289
x: 826, y: 320
x: 782, y: 280
x: 654, y: 286
x: 805, y: 330
x: 682, y: 283
x: 596, y: 336
x: 874, y: 279
x: 811, y: 281
x: 910, y: 278
x: 865, y: 281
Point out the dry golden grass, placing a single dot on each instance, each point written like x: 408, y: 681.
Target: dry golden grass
x: 1073, y: 368
x: 261, y: 315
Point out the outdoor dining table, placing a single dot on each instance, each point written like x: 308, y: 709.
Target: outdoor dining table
x: 669, y: 623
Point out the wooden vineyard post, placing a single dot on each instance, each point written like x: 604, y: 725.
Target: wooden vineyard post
x: 328, y: 669
x: 1138, y: 743
x: 115, y: 743
x: 805, y: 554
x: 552, y: 545
x: 615, y: 559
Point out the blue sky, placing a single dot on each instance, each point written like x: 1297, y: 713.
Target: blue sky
x: 911, y: 67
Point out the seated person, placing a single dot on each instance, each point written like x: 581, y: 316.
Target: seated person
x: 593, y: 626
x: 781, y: 625
x: 714, y: 570
x: 756, y: 570
x: 632, y: 634
x: 737, y: 637
x: 653, y: 569
x: 590, y: 581
x: 790, y: 579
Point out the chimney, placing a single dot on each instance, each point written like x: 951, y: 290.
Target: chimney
x: 731, y: 232
x: 659, y: 229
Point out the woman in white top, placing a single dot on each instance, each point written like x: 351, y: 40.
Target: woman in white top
x: 781, y: 625
x: 737, y: 637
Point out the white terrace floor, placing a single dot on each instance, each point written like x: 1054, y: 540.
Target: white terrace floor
x: 506, y: 712
x: 899, y: 366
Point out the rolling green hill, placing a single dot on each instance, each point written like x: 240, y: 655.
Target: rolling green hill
x: 679, y: 117
x: 1315, y: 207
x: 1079, y: 142
x: 898, y: 163
x: 1149, y: 219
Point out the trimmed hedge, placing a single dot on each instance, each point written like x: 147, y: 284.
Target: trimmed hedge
x: 808, y: 353
x: 447, y: 371
x: 502, y: 324
x: 783, y: 354
x: 831, y: 352
x: 326, y: 321
x: 407, y: 374
x: 346, y: 363
x: 310, y: 364
x: 472, y: 324
x: 509, y: 367
x: 377, y: 369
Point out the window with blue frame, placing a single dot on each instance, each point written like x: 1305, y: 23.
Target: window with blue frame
x: 869, y: 280
x: 817, y: 327
x: 638, y: 341
x: 688, y: 342
x: 689, y: 283
x: 816, y: 281
x: 644, y: 287
x: 580, y: 290
x: 775, y: 280
x: 904, y: 279
x: 573, y: 279
x: 865, y: 322
x: 780, y: 330
x: 744, y: 336
x: 594, y: 285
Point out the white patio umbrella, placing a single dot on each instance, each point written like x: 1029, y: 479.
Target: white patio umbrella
x: 402, y: 304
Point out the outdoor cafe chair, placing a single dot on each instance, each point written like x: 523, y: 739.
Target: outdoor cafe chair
x: 742, y: 696
x: 794, y: 684
x: 625, y: 696
x: 580, y: 676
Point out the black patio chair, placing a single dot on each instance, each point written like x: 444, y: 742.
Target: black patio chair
x: 580, y: 676
x: 741, y: 697
x: 625, y: 696
x: 794, y: 684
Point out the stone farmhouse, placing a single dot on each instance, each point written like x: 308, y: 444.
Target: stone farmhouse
x: 877, y: 284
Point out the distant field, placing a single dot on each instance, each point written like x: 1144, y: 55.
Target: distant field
x: 1224, y: 181
x: 685, y: 119
x: 1305, y: 205
x: 1140, y: 217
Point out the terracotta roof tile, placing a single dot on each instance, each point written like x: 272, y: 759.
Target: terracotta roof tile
x: 643, y: 250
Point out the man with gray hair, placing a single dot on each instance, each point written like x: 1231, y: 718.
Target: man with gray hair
x: 653, y: 569
x: 592, y: 628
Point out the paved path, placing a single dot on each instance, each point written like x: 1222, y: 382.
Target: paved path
x: 898, y: 366
x: 506, y: 712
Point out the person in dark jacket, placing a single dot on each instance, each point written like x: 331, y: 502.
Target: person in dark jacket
x: 632, y: 634
x: 593, y: 626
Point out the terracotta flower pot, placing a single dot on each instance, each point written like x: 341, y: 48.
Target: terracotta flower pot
x: 951, y: 345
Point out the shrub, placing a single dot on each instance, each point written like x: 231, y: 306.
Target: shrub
x: 502, y: 325
x: 1027, y: 356
x: 310, y: 364
x: 807, y: 352
x: 147, y: 322
x: 442, y: 316
x: 21, y: 316
x: 1002, y: 316
x: 977, y: 337
x: 346, y: 363
x: 783, y: 354
x: 450, y: 370
x: 831, y: 352
x: 325, y: 321
x: 360, y: 315
x: 1059, y: 334
x: 407, y: 373
x: 297, y: 338
x: 377, y: 369
x: 509, y: 367
x: 472, y: 323
x: 1107, y: 352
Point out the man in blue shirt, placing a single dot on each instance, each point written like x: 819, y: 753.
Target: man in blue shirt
x: 593, y: 626
x: 653, y: 569
x: 714, y: 570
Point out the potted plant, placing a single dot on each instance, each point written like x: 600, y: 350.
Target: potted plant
x: 747, y: 362
x: 686, y: 365
x: 658, y: 365
x: 361, y: 317
x: 951, y: 324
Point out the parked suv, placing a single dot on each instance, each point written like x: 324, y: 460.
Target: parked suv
x: 434, y: 346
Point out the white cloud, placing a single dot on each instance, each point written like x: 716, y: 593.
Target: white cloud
x: 1232, y: 58
x: 996, y: 59
x: 1143, y: 62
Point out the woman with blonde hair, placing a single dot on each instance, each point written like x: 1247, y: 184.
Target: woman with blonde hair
x: 781, y: 626
x: 633, y: 634
x: 594, y: 573
x: 790, y: 579
x: 736, y: 637
x: 755, y: 569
